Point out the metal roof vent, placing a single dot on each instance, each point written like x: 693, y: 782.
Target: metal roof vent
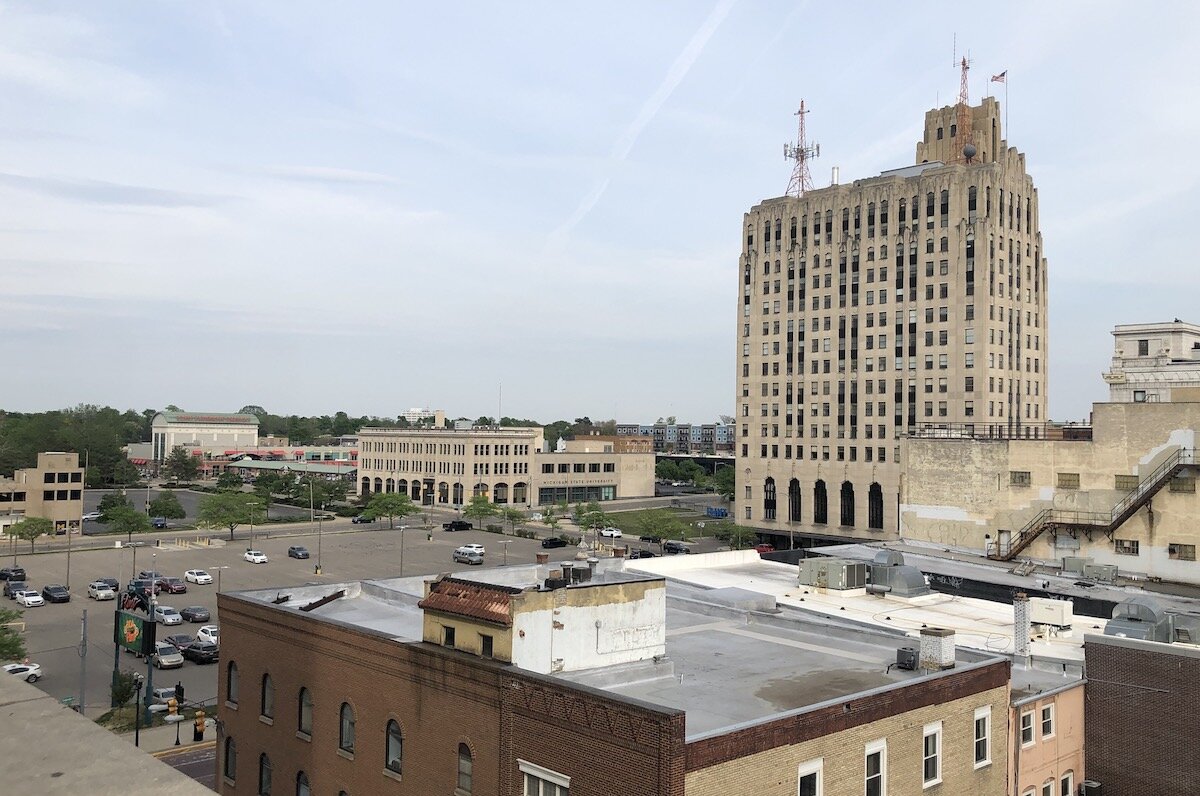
x: 889, y: 558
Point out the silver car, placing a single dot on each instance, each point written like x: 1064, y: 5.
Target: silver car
x: 167, y: 615
x: 166, y: 656
x: 101, y: 591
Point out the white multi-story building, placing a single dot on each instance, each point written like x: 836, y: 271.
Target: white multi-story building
x: 202, y: 433
x: 1155, y: 362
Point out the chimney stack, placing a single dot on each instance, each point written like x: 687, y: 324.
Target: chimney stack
x: 937, y: 649
x: 542, y: 558
x: 1021, y: 627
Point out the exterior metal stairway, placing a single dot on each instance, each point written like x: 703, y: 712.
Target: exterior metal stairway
x: 1096, y: 522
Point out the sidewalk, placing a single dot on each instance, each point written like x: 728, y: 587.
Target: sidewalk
x: 161, y: 739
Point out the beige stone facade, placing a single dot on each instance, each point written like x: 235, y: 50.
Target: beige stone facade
x: 447, y: 467
x: 967, y: 493
x: 869, y: 310
x: 53, y: 490
x: 1046, y: 742
x: 1155, y: 362
x: 202, y: 432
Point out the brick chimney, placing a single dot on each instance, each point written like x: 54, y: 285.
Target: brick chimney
x: 937, y: 649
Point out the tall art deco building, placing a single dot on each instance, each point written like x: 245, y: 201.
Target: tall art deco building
x: 912, y: 302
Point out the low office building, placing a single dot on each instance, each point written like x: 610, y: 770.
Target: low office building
x: 1046, y: 740
x: 52, y: 490
x: 508, y: 465
x: 595, y: 681
x: 1155, y: 362
x: 201, y: 433
x: 1122, y: 495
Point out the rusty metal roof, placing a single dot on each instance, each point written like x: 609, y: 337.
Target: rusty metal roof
x: 474, y: 600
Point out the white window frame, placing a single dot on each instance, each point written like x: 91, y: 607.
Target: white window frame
x: 984, y: 713
x: 879, y: 747
x: 1068, y: 778
x: 935, y: 729
x: 812, y: 767
x: 1042, y: 721
x: 1048, y: 788
x: 542, y: 773
x: 1021, y: 730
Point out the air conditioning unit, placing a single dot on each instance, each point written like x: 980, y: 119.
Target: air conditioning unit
x: 1090, y: 787
x: 906, y: 658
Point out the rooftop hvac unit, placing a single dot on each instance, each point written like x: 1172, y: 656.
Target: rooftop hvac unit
x: 1101, y: 572
x: 833, y: 573
x: 906, y: 658
x: 1089, y: 787
x: 1044, y: 611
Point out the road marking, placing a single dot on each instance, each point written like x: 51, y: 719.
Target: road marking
x: 181, y: 749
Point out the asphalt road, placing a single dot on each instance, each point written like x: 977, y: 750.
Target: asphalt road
x: 189, y: 500
x: 199, y: 761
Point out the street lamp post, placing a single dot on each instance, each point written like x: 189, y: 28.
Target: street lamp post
x: 218, y: 569
x: 137, y: 719
x: 320, y: 523
x: 402, y: 529
x: 505, y: 543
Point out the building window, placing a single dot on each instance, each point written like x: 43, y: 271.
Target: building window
x: 302, y: 786
x: 1139, y: 396
x: 231, y: 683
x: 465, y: 766
x: 230, y: 768
x: 264, y: 775
x: 1125, y: 547
x: 1181, y: 552
x: 540, y: 781
x: 1066, y: 785
x: 875, y: 774
x: 810, y: 775
x: 1143, y: 348
x: 485, y: 645
x: 1018, y: 478
x: 305, y: 712
x: 447, y: 636
x: 983, y: 733
x: 346, y: 729
x: 1027, y: 728
x: 931, y: 771
x: 1126, y: 483
x: 267, y: 698
x: 1183, y: 484
x: 1048, y: 788
x: 395, y: 747
x: 1048, y: 722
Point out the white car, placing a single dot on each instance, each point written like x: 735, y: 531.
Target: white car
x: 255, y: 556
x: 536, y: 516
x: 91, y: 516
x: 29, y: 672
x: 29, y: 599
x: 198, y: 576
x: 474, y: 547
x: 101, y: 591
x: 167, y: 615
x: 209, y: 634
x: 166, y: 656
x: 612, y: 533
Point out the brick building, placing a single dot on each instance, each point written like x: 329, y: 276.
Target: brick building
x: 53, y: 490
x: 357, y: 688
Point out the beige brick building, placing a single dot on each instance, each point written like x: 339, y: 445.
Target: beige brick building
x: 909, y: 301
x: 53, y: 490
x: 447, y: 467
x: 1154, y: 362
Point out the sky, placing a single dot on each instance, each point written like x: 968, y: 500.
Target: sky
x: 531, y: 209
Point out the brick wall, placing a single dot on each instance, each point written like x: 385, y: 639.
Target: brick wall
x: 1142, y: 717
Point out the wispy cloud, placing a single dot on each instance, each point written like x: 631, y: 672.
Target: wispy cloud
x: 111, y: 193
x: 624, y: 143
x: 326, y: 174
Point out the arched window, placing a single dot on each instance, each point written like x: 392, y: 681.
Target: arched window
x: 847, y: 504
x: 231, y: 683
x: 264, y: 775
x: 267, y: 700
x: 302, y: 786
x: 457, y: 494
x: 465, y: 765
x: 820, y: 503
x: 305, y: 712
x: 378, y: 484
x: 794, y: 501
x: 769, y: 499
x: 389, y: 485
x: 230, y: 768
x: 875, y: 507
x: 366, y: 485
x: 520, y: 492
x: 394, y: 758
x: 346, y: 729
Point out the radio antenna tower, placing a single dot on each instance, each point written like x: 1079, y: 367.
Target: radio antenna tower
x: 800, y: 152
x: 967, y: 153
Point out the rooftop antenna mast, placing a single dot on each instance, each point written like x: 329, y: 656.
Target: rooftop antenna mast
x: 967, y: 153
x: 800, y: 152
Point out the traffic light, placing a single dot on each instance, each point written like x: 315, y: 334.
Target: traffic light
x: 172, y: 707
x: 198, y: 726
x: 179, y: 691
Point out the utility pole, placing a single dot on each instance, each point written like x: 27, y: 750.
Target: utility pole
x: 83, y: 642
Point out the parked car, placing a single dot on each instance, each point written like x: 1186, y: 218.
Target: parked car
x: 143, y: 586
x: 651, y: 539
x: 202, y: 652
x: 11, y: 587
x: 554, y: 541
x: 112, y: 583
x: 298, y: 551
x: 180, y: 641
x: 165, y: 656
x: 475, y: 546
x: 29, y: 672
x: 641, y: 554
x: 166, y: 615
x: 12, y: 573
x: 91, y: 516
x: 101, y: 591
x: 56, y: 593
x: 764, y: 548
x: 159, y: 522
x: 29, y: 598
x: 195, y: 613
x: 675, y: 547
x: 149, y: 574
x: 209, y: 633
x: 172, y: 585
x: 361, y: 518
x: 255, y: 556
x: 456, y: 525
x: 536, y: 516
x: 198, y: 576
x: 610, y: 532
x: 161, y: 696
x: 466, y: 556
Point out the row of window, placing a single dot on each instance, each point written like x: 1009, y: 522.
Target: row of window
x: 74, y: 477
x: 580, y: 467
x: 62, y: 494
x: 820, y: 501
x: 1176, y: 551
x: 1123, y: 483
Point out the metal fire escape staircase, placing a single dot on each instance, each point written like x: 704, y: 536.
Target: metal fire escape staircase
x: 1091, y: 522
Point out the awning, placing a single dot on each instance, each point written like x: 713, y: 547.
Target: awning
x: 297, y: 453
x: 231, y: 453
x: 138, y: 461
x: 278, y: 453
x: 197, y: 453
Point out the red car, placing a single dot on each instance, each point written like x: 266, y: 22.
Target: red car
x: 764, y: 548
x: 172, y: 585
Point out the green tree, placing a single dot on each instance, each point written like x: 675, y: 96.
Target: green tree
x: 167, y: 505
x: 180, y: 465
x: 110, y: 502
x: 723, y: 480
x: 124, y: 686
x: 479, y: 508
x: 735, y: 536
x: 667, y: 470
x: 229, y: 481
x: 266, y: 485
x: 29, y: 529
x: 229, y: 510
x: 124, y: 473
x: 128, y: 521
x: 390, y: 505
x: 12, y: 646
x: 512, y: 516
x: 551, y: 517
x: 659, y: 524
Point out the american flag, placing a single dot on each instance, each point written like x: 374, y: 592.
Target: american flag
x: 1000, y: 78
